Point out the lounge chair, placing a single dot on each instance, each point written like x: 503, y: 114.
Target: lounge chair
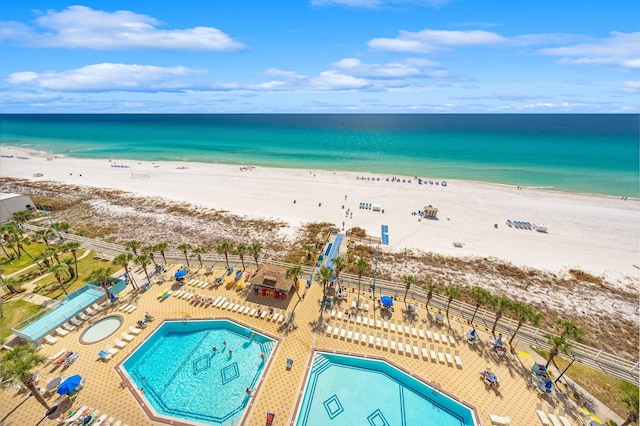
x: 449, y: 357
x: 458, y: 359
x: 119, y: 343
x: 57, y: 354
x: 83, y: 317
x: 68, y: 326
x: 289, y: 364
x: 50, y: 339
x: 554, y: 420
x: 542, y: 415
x: 500, y: 420
x: 329, y: 329
x: 90, y: 311
x: 112, y: 350
x: 128, y: 337
x: 104, y: 355
x: 61, y: 331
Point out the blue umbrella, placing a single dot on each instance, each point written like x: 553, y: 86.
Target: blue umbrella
x: 69, y: 385
x: 386, y: 301
x: 181, y: 273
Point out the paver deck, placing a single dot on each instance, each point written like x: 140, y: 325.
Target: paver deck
x: 280, y: 389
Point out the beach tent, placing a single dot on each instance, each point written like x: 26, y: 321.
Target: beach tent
x: 386, y: 301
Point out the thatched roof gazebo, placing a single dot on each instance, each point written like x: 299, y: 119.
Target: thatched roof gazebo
x: 271, y: 278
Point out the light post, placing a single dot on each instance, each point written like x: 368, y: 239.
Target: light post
x: 384, y: 239
x: 562, y: 374
x: 53, y: 225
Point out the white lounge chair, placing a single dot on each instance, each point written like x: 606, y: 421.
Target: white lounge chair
x: 457, y: 358
x: 75, y: 321
x: 420, y: 332
x: 385, y: 342
x: 554, y: 420
x: 68, y: 326
x: 371, y: 339
x: 50, y: 339
x: 90, y: 311
x: 83, y: 317
x: 564, y: 420
x: 414, y: 332
x: 363, y: 338
x: 96, y: 307
x: 343, y: 332
x: 425, y: 353
x: 57, y: 354
x: 429, y: 335
x: 134, y: 330
x: 449, y: 357
x: 500, y: 420
x: 416, y: 351
x: 440, y: 355
x: 432, y: 352
x: 336, y: 330
x: 61, y: 331
x: 128, y: 337
x: 356, y: 336
x: 452, y: 340
x: 378, y: 341
x: 333, y: 313
x: 350, y: 334
x: 119, y: 343
x: 542, y: 415
x: 407, y: 347
x: 131, y: 308
x: 392, y: 326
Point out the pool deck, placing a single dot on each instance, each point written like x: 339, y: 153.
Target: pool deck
x: 279, y: 391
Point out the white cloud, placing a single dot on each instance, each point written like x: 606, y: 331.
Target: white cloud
x: 292, y: 75
x: 106, y: 77
x: 83, y: 27
x: 431, y: 40
x: 620, y: 50
x: 631, y: 86
x: 355, y: 67
x: 334, y: 80
x: 376, y: 4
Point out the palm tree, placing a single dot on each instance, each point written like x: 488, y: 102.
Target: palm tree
x: 57, y: 271
x: 408, y: 280
x: 17, y: 366
x: 61, y: 226
x: 524, y: 313
x: 185, y: 247
x: 102, y: 276
x: 198, y: 252
x: 52, y: 252
x: 570, y: 329
x: 144, y: 260
x: 123, y: 260
x: 362, y: 266
x: 558, y: 344
x: 73, y: 247
x: 148, y: 250
x: 430, y: 288
x: 69, y: 265
x: 451, y: 293
x: 133, y: 245
x: 481, y: 296
x: 225, y: 248
x: 22, y: 216
x: 293, y: 274
x: 43, y: 234
x: 500, y: 305
x: 324, y: 276
x: 161, y: 247
x: 308, y: 248
x: 20, y: 241
x: 338, y: 265
x: 255, y: 249
x: 632, y: 402
x: 240, y: 251
x: 12, y: 284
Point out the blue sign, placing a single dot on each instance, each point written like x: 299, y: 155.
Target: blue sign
x: 385, y: 235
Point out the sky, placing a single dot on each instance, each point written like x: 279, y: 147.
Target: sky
x: 320, y: 56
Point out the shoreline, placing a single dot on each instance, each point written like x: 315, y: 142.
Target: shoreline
x: 594, y: 233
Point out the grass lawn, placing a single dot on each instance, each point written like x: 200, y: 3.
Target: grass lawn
x: 608, y: 389
x: 9, y: 266
x: 13, y: 312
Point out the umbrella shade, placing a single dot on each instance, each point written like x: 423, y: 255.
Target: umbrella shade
x: 69, y: 385
x: 386, y: 301
x: 181, y: 273
x: 54, y: 383
x: 412, y: 308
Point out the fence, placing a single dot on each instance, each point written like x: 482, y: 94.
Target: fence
x: 592, y: 357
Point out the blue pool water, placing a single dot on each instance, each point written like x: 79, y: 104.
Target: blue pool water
x: 35, y: 328
x: 185, y: 379
x: 344, y: 390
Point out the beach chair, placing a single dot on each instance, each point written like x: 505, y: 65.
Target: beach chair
x: 289, y: 364
x: 392, y: 345
x: 350, y: 333
x: 280, y: 318
x: 358, y: 319
x: 119, y: 343
x: 134, y: 307
x: 407, y: 347
x: 118, y: 423
x: 425, y: 353
x: 378, y: 340
x: 356, y: 336
x: 554, y: 420
x: 445, y: 338
x: 333, y: 313
x: 385, y: 326
x: 564, y: 421
x: 124, y: 306
x: 96, y: 307
x: 363, y: 338
x: 90, y: 311
x: 407, y: 330
x: 457, y: 358
x: 336, y: 330
x: 343, y: 332
x: 429, y: 335
x: 366, y: 307
x: 104, y: 355
x: 378, y: 323
x: 339, y: 315
x: 68, y: 326
x: 436, y: 337
x: 329, y: 330
x: 111, y: 350
x: 50, y: 339
x: 421, y: 332
x: 441, y: 357
x: 128, y: 337
x: 414, y: 332
x: 385, y: 342
x: 371, y: 339
x: 449, y: 357
x: 83, y: 317
x: 134, y: 330
x: 416, y: 351
x: 432, y: 352
x: 542, y: 415
x: 57, y: 354
x: 75, y: 321
x: 61, y: 331
x: 73, y: 414
x: 452, y: 340
x: 500, y: 420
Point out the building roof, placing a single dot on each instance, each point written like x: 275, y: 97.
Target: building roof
x: 7, y: 195
x: 272, y: 276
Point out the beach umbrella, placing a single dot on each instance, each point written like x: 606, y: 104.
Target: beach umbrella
x: 69, y: 385
x: 386, y: 301
x: 412, y: 308
x: 181, y: 273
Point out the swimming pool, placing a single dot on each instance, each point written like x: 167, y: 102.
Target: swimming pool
x: 101, y: 329
x: 184, y: 378
x: 346, y: 390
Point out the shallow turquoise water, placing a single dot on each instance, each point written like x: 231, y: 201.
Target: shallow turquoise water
x: 583, y: 153
x: 184, y: 378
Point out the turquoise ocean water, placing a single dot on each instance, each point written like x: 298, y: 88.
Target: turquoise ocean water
x: 580, y: 153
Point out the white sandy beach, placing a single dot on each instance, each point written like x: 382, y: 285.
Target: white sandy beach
x: 596, y: 234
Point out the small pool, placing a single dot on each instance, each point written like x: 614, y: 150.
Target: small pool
x: 346, y: 390
x: 183, y: 378
x: 101, y: 329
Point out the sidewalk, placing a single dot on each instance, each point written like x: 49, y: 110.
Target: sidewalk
x: 595, y: 408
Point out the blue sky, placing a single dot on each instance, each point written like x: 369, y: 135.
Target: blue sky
x: 320, y: 56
